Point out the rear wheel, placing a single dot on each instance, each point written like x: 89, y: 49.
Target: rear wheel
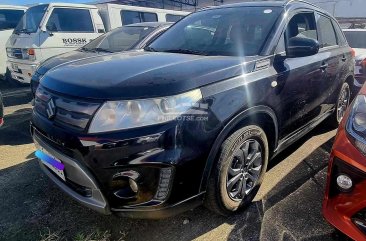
x: 239, y: 170
x: 342, y: 104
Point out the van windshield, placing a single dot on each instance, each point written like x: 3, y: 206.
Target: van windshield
x: 31, y: 19
x: 240, y: 31
x: 9, y: 18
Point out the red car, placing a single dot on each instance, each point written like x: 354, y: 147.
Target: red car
x: 344, y: 203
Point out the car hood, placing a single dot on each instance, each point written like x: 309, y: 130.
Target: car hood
x: 140, y: 74
x: 68, y: 57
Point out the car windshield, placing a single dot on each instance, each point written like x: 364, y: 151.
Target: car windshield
x: 9, y: 18
x: 240, y: 31
x: 119, y: 39
x: 31, y: 19
x: 356, y: 39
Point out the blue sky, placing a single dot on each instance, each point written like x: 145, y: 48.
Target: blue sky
x: 27, y: 2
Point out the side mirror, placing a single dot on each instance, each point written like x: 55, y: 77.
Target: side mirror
x: 301, y: 47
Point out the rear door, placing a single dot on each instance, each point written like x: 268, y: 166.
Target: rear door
x: 334, y: 57
x: 67, y: 29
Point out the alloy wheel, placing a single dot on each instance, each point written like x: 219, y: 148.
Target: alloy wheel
x: 244, y: 170
x: 342, y: 104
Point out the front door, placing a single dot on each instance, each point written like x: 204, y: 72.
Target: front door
x: 297, y: 77
x: 67, y: 29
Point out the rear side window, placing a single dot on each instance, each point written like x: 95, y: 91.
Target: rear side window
x: 70, y: 20
x: 340, y: 36
x: 173, y: 18
x: 327, y: 35
x: 9, y: 18
x: 130, y: 17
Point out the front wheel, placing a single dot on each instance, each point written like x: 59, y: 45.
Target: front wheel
x: 239, y: 170
x: 342, y: 104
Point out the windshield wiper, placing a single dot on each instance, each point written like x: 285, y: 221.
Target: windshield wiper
x: 101, y: 50
x: 24, y: 30
x: 150, y: 49
x: 185, y: 51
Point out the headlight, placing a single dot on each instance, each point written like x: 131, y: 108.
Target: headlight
x: 120, y: 115
x: 356, y: 124
x: 29, y: 54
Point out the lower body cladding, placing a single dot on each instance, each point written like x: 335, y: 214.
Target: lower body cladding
x: 142, y: 177
x: 344, y: 205
x: 21, y: 72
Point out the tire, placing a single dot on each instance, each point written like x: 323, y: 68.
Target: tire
x: 343, y: 101
x: 221, y: 190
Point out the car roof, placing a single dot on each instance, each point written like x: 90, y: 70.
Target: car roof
x: 149, y: 24
x: 264, y: 3
x: 13, y: 7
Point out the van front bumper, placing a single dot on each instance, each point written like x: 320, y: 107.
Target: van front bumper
x: 21, y: 71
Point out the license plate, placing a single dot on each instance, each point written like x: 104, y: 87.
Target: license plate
x: 51, y: 162
x: 15, y: 67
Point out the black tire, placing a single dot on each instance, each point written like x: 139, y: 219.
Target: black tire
x: 343, y: 101
x: 220, y: 196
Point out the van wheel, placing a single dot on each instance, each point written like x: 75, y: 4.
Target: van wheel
x: 342, y: 104
x: 239, y: 171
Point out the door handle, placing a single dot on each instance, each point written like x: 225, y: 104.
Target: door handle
x: 324, y: 66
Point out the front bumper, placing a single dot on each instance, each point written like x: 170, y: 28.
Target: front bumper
x: 24, y: 71
x: 103, y: 164
x: 344, y: 210
x: 77, y: 174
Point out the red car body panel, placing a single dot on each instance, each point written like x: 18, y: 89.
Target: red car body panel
x: 340, y: 208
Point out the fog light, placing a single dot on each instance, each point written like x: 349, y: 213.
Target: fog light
x: 344, y: 182
x: 164, y: 184
x: 133, y: 185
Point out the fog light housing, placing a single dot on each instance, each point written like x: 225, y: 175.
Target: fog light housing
x: 344, y: 182
x: 163, y: 190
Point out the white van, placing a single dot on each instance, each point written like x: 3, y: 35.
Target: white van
x: 47, y: 30
x: 9, y: 18
x: 116, y: 15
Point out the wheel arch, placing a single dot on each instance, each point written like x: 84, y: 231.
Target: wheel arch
x: 262, y: 116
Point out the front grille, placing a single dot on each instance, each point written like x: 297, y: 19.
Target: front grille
x: 66, y: 112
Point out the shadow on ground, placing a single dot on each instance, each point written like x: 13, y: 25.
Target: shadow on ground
x: 33, y: 207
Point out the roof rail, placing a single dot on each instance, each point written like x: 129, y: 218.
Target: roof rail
x: 302, y: 1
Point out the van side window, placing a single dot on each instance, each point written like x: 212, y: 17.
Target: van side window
x: 70, y: 20
x: 129, y: 17
x: 173, y: 18
x: 9, y: 18
x: 327, y: 36
x: 302, y: 25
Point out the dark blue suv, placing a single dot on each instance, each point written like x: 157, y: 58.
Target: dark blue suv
x: 195, y: 117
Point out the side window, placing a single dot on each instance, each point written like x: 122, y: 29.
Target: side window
x: 130, y: 17
x: 70, y: 20
x: 173, y: 18
x: 302, y: 24
x: 327, y: 36
x: 9, y: 18
x: 340, y: 36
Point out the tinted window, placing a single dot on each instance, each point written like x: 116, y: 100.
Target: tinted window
x: 31, y: 19
x: 229, y: 31
x: 119, y: 39
x: 302, y: 25
x: 9, y: 18
x: 129, y: 17
x: 327, y: 36
x: 173, y: 18
x: 356, y: 39
x: 340, y: 36
x: 70, y: 20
